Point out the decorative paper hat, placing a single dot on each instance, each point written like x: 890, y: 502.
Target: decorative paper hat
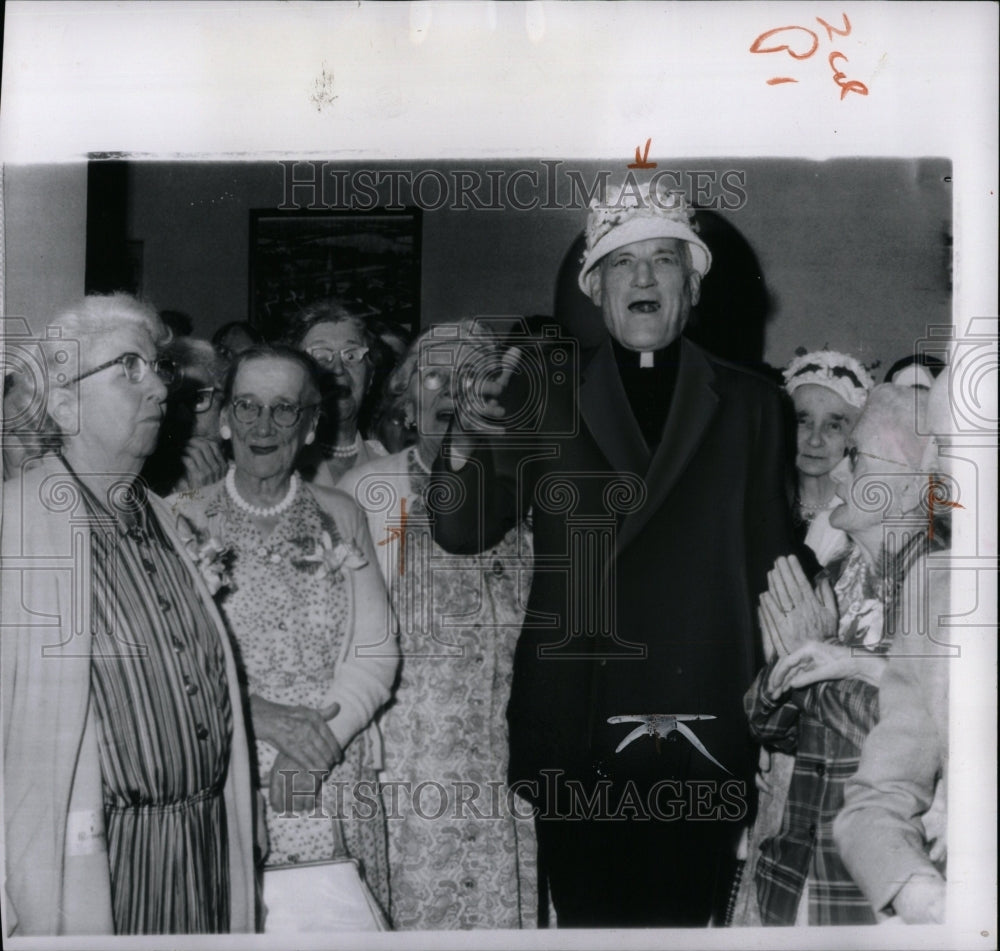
x: 836, y: 371
x: 628, y: 215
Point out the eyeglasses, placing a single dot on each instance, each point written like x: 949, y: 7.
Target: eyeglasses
x: 204, y: 396
x: 134, y: 367
x: 284, y: 415
x: 349, y: 356
x: 852, y: 452
x: 434, y: 379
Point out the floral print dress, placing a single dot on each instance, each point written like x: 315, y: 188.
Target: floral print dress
x: 461, y: 847
x: 289, y: 613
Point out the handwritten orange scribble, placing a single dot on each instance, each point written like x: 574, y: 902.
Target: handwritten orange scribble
x: 932, y: 500
x: 781, y: 79
x: 830, y: 31
x: 641, y: 160
x: 399, y: 534
x: 759, y: 47
x: 852, y: 85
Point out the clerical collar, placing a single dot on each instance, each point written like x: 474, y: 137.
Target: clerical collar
x: 646, y: 359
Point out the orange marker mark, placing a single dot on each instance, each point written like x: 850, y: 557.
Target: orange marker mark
x: 641, y: 161
x: 800, y: 42
x: 760, y: 47
x: 399, y: 534
x: 830, y: 31
x: 931, y: 497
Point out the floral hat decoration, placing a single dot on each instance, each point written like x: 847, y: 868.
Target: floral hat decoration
x: 839, y: 372
x: 629, y: 214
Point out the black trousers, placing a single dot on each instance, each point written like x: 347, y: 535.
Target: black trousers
x: 641, y: 873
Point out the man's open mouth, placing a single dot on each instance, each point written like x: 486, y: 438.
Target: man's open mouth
x: 263, y: 450
x: 644, y: 306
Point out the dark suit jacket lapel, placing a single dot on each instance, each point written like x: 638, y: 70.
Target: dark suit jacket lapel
x: 606, y: 411
x: 692, y: 408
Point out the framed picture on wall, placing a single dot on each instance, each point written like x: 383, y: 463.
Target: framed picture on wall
x: 298, y: 258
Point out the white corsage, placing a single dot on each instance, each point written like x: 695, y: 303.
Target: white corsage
x: 210, y: 556
x: 331, y: 558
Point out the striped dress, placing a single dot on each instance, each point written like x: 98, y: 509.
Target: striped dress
x: 158, y: 688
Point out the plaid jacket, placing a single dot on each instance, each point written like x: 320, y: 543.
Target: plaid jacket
x: 824, y: 726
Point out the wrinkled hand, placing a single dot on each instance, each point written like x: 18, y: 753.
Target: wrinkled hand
x: 791, y: 612
x: 292, y: 789
x: 203, y: 463
x: 817, y: 661
x: 299, y: 733
x: 921, y: 900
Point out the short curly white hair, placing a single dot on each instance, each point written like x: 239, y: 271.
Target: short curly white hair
x: 94, y: 316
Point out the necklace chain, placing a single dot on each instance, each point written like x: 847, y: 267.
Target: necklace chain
x: 260, y: 510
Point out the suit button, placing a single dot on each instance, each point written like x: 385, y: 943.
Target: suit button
x: 812, y: 831
x: 820, y: 769
x: 497, y: 567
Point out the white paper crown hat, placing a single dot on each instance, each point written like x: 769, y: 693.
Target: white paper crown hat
x: 628, y: 216
x: 839, y: 372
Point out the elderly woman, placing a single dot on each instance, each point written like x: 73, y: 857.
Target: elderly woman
x: 818, y: 696
x: 891, y: 831
x: 828, y: 391
x: 308, y: 609
x: 127, y: 794
x: 459, y: 855
x: 338, y: 337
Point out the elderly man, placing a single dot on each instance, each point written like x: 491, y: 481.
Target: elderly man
x: 654, y: 480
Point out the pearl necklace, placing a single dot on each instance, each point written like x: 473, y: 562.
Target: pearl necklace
x: 259, y: 510
x: 345, y: 452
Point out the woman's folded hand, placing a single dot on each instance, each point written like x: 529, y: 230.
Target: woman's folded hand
x: 300, y: 733
x: 817, y: 661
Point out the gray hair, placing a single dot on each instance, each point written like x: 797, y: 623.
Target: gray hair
x: 96, y: 315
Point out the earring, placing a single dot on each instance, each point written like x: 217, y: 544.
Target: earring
x: 225, y: 432
x: 310, y: 438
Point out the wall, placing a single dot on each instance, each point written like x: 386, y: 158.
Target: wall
x: 45, y: 220
x: 855, y: 254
